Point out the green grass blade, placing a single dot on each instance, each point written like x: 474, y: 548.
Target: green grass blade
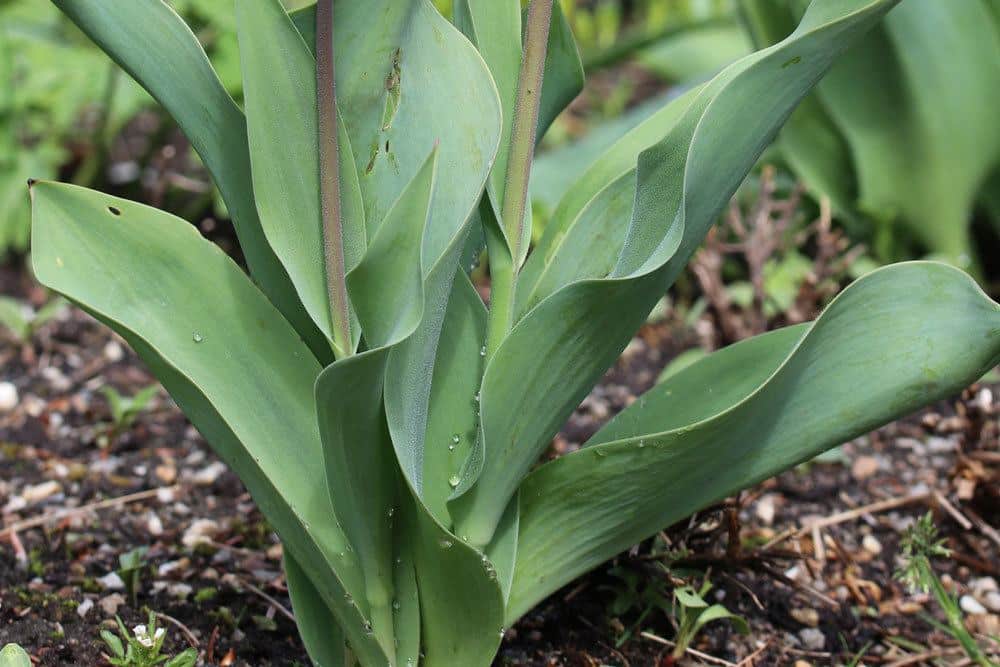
x: 897, y: 339
x: 235, y: 367
x: 162, y: 54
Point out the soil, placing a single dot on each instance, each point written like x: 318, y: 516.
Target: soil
x: 213, y: 566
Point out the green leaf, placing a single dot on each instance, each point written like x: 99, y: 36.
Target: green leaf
x: 279, y: 83
x: 13, y: 655
x: 387, y: 286
x: 903, y: 129
x: 458, y: 370
x: 114, y: 643
x: 495, y: 27
x: 562, y: 346
x: 584, y: 236
x: 689, y: 597
x: 717, y: 613
x: 235, y: 367
x: 874, y: 355
x: 696, y: 53
x: 14, y: 319
x: 374, y: 40
x: 322, y: 636
x: 563, y: 78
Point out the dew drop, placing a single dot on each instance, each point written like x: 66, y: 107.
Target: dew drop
x: 347, y: 596
x: 396, y: 605
x: 482, y: 351
x: 453, y: 481
x: 476, y: 397
x: 445, y: 543
x: 197, y: 337
x: 642, y: 443
x: 451, y: 448
x: 392, y: 510
x: 455, y: 438
x: 369, y: 630
x: 503, y: 631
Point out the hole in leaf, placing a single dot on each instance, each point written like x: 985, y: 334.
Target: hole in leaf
x: 114, y: 211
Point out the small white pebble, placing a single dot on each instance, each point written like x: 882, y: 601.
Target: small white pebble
x: 113, y: 351
x: 207, y: 475
x: 111, y: 582
x: 812, y: 639
x: 39, y: 492
x: 154, y: 525
x: 971, y: 605
x: 179, y: 590
x: 200, y: 531
x: 871, y: 545
x: 84, y: 607
x: 8, y: 396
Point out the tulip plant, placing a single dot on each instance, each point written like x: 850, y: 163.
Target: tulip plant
x: 388, y: 423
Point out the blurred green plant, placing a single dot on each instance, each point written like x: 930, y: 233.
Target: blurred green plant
x: 13, y: 655
x: 62, y: 102
x: 124, y: 411
x: 22, y: 322
x: 902, y: 135
x: 130, y: 567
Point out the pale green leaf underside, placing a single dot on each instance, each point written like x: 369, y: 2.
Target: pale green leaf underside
x: 232, y: 363
x: 752, y: 410
x: 561, y: 347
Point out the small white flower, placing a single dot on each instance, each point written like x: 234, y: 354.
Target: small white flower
x: 140, y: 631
x: 146, y: 641
x: 159, y: 633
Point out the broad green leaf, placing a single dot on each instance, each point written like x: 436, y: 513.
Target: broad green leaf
x: 279, y: 84
x: 696, y: 53
x: 874, y: 355
x: 460, y: 599
x: 387, y: 286
x: 922, y: 128
x: 554, y: 171
x: 458, y: 370
x: 397, y: 60
x: 584, y: 236
x: 162, y: 54
x: 494, y: 26
x: 564, y: 77
x: 362, y: 475
x: 361, y: 467
x: 317, y: 626
x: 231, y: 362
x: 13, y: 655
x: 561, y: 348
